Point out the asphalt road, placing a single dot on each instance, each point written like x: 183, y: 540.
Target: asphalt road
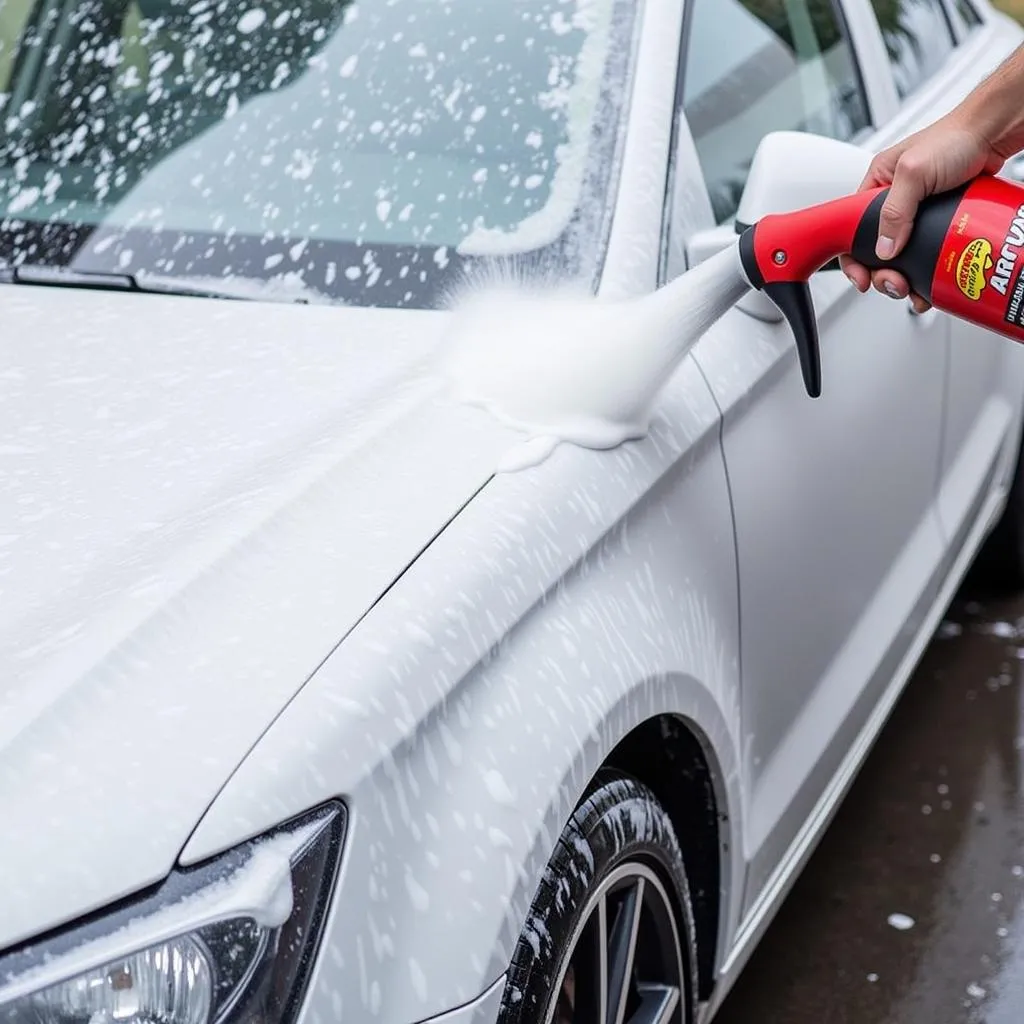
x: 933, y: 830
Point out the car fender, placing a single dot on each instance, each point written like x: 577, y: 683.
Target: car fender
x: 465, y: 715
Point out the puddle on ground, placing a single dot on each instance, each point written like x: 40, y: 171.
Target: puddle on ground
x: 912, y: 909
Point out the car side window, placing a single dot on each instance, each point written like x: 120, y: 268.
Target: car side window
x: 968, y: 15
x: 13, y: 18
x: 918, y: 38
x: 757, y: 66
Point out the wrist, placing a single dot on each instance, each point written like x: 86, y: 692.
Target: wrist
x: 994, y: 110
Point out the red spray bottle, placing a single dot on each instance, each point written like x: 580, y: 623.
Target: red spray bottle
x: 965, y: 256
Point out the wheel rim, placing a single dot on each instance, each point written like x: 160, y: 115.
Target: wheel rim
x: 625, y: 961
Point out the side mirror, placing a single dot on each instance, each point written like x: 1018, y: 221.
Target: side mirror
x: 793, y: 170
x: 789, y: 171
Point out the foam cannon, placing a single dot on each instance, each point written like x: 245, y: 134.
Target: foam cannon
x: 963, y: 256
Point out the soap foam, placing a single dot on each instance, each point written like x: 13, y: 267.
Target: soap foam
x: 562, y: 365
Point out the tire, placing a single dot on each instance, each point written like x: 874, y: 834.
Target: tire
x: 616, y: 864
x: 1001, y: 560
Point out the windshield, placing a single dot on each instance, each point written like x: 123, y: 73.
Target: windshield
x: 366, y: 149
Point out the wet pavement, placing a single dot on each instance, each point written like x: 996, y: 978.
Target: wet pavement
x: 931, y: 832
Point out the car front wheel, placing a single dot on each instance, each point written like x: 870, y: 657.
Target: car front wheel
x: 609, y: 937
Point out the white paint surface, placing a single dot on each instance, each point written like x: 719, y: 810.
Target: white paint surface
x: 200, y: 499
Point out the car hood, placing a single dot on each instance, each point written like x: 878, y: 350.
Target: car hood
x: 198, y: 499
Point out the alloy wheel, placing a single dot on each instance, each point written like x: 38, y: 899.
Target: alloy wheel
x: 625, y: 964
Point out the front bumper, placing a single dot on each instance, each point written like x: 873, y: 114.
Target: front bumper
x: 483, y: 1010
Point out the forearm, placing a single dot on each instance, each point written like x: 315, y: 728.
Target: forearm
x: 995, y: 108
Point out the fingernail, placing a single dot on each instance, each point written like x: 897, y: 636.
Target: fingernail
x: 885, y: 247
x: 890, y: 289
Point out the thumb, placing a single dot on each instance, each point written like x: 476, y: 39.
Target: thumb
x: 900, y: 207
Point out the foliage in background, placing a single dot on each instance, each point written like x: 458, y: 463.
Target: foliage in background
x: 779, y: 16
x: 1012, y: 7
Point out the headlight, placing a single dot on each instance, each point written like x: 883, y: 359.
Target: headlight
x: 228, y: 941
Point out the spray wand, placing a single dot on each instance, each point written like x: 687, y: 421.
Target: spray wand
x: 562, y: 367
x: 963, y: 256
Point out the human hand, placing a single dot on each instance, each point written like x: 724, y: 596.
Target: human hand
x: 936, y: 159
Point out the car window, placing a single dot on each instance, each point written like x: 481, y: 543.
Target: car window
x: 13, y: 16
x: 968, y: 15
x: 756, y: 66
x: 369, y: 148
x: 918, y: 38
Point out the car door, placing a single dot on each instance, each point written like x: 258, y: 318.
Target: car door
x: 836, y: 531
x: 936, y: 56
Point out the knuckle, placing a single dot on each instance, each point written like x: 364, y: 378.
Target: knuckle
x: 911, y: 165
x: 892, y: 213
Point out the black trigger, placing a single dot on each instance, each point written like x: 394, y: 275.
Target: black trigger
x: 794, y: 301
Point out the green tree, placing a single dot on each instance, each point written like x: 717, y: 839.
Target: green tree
x: 781, y: 15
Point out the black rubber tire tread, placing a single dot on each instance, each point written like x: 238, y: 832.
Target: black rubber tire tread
x: 1001, y: 560
x: 605, y: 824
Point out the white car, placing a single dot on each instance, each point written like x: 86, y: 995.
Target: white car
x: 307, y: 712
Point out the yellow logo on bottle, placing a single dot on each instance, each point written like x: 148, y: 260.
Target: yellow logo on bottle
x: 970, y: 270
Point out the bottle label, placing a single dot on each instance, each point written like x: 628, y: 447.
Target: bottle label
x: 979, y: 273
x: 975, y: 261
x: 1015, y: 307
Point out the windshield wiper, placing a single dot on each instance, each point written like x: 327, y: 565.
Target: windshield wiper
x: 245, y: 289
x: 68, y: 277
